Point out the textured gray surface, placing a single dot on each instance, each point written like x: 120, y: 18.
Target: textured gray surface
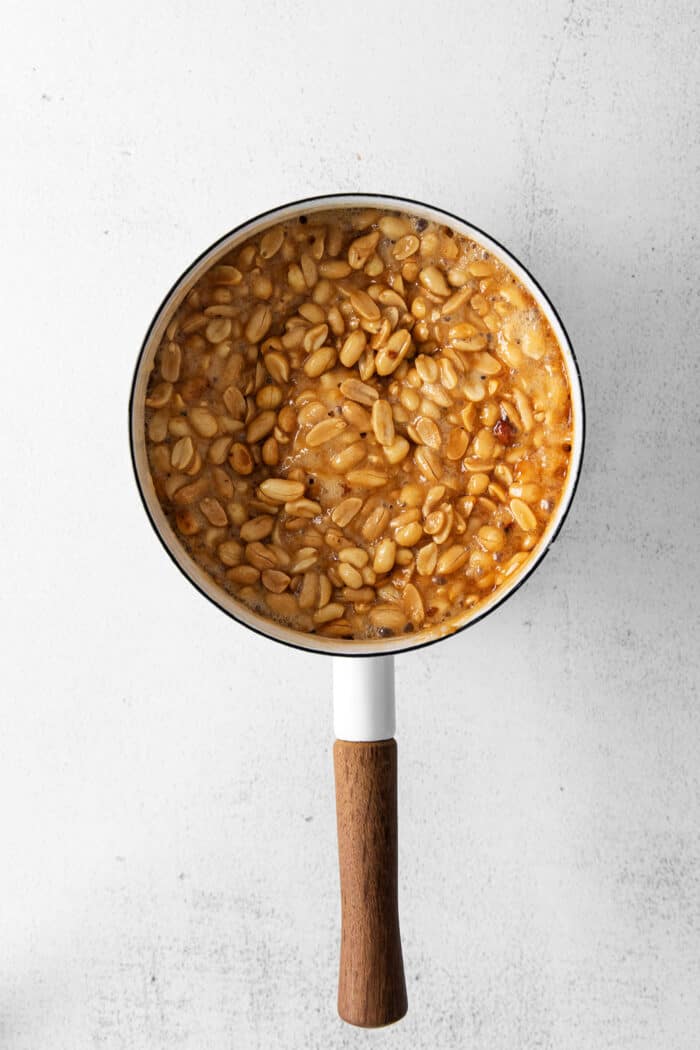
x: 168, y: 875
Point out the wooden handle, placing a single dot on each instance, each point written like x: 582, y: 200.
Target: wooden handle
x: 372, y: 987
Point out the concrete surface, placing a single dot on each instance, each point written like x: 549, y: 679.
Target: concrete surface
x: 168, y: 874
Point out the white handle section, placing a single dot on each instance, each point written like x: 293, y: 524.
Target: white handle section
x: 363, y: 698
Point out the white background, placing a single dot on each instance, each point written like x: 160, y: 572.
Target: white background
x: 168, y: 873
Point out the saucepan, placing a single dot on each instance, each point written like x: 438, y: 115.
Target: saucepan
x: 372, y: 987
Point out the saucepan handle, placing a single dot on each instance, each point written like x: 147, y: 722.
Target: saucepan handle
x: 372, y: 986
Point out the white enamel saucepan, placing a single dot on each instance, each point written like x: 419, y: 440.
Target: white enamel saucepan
x: 372, y: 989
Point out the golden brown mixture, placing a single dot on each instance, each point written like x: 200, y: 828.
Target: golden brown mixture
x: 359, y: 424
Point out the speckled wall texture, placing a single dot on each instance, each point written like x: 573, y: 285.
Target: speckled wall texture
x: 168, y: 875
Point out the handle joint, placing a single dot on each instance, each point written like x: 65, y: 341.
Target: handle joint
x: 364, y: 708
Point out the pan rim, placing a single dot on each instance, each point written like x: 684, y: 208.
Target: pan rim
x: 383, y: 647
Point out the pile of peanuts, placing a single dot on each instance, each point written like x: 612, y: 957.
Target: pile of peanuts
x: 359, y: 424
